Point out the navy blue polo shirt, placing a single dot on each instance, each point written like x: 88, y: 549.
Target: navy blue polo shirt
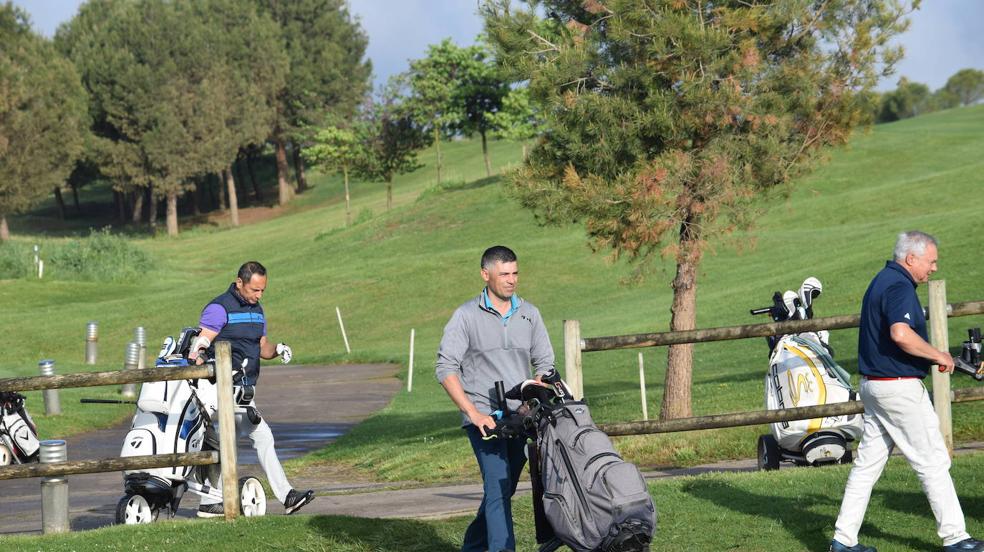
x: 891, y: 298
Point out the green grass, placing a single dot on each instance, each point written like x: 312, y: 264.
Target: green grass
x: 786, y: 511
x: 410, y: 267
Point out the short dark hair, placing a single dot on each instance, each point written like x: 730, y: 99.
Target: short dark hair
x: 250, y: 268
x: 497, y: 253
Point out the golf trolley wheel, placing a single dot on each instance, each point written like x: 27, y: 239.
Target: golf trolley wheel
x: 252, y: 497
x: 135, y: 510
x: 848, y: 457
x: 768, y: 453
x: 6, y: 457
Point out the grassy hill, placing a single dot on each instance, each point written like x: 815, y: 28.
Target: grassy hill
x: 410, y: 267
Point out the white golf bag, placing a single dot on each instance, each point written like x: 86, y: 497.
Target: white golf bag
x: 18, y: 434
x: 802, y: 372
x: 175, y: 417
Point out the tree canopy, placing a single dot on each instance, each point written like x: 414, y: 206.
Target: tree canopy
x: 389, y: 137
x: 43, y: 116
x: 328, y: 77
x: 664, y: 121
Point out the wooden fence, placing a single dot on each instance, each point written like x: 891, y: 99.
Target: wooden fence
x: 938, y: 311
x: 226, y: 455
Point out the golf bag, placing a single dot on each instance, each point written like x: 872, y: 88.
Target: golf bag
x: 18, y: 434
x: 969, y: 362
x: 585, y: 495
x: 802, y: 372
x: 175, y: 417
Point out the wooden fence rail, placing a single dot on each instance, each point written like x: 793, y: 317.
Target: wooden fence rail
x: 222, y: 371
x: 739, y: 419
x: 658, y: 339
x: 109, y: 465
x: 113, y: 377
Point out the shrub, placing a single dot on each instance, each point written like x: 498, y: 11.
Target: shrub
x: 100, y: 256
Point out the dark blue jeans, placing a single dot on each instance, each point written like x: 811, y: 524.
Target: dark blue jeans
x: 501, y: 462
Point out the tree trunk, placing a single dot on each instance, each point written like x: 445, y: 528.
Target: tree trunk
x: 679, y: 365
x: 4, y: 229
x: 437, y: 144
x: 220, y: 188
x: 283, y: 188
x: 389, y: 192
x: 75, y: 197
x: 120, y: 207
x: 233, y: 201
x: 213, y: 201
x: 138, y: 200
x: 485, y: 154
x: 252, y: 176
x: 152, y: 212
x: 60, y: 201
x: 526, y: 152
x: 299, y: 168
x: 194, y: 196
x: 240, y: 182
x: 348, y: 206
x: 172, y: 214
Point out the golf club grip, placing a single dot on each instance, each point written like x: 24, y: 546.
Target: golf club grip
x: 763, y: 310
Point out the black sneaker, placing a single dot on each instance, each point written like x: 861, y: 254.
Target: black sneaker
x: 211, y: 510
x: 972, y: 545
x: 295, y: 500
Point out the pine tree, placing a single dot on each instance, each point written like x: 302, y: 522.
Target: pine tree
x: 666, y: 121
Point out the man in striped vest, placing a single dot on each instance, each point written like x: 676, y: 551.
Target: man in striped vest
x: 236, y: 316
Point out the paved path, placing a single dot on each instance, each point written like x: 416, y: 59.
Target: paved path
x: 322, y: 403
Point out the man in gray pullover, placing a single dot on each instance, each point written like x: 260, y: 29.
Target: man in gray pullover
x: 494, y: 337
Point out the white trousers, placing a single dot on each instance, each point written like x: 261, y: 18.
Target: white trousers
x: 262, y: 439
x: 899, y: 413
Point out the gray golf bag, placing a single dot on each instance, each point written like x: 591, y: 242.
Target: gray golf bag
x: 18, y: 434
x: 585, y: 496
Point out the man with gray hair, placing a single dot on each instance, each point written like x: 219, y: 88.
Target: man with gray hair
x: 493, y: 337
x: 894, y: 356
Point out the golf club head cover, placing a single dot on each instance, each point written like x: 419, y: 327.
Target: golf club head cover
x: 810, y: 289
x: 285, y: 352
x: 789, y: 300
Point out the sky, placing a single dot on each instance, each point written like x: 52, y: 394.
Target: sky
x: 943, y: 38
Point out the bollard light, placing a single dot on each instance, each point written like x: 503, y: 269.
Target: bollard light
x: 91, y: 342
x: 52, y: 406
x: 131, y: 362
x: 54, y: 490
x: 140, y: 337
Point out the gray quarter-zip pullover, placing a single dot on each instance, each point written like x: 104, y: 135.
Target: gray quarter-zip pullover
x: 481, y: 348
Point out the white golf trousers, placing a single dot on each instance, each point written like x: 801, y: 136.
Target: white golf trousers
x: 262, y: 439
x: 898, y: 413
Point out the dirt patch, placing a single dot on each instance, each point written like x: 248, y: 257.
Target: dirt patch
x: 247, y: 215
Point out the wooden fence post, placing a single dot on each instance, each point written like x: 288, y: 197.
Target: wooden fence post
x: 940, y: 339
x: 572, y: 357
x: 227, y: 429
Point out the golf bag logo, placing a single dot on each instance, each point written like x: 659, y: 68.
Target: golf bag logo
x: 803, y: 384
